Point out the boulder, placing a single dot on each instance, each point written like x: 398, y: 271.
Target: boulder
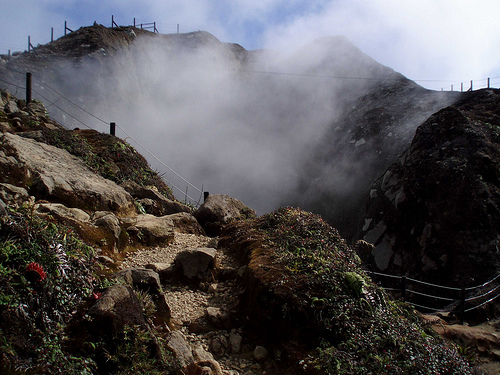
x: 53, y: 174
x: 217, y: 317
x: 60, y: 211
x: 181, y: 350
x: 434, y: 214
x: 118, y: 307
x: 11, y: 193
x: 152, y: 201
x: 141, y: 278
x: 196, y: 263
x: 166, y: 271
x: 186, y: 223
x: 484, y: 339
x: 80, y: 221
x: 3, y: 208
x: 260, y: 353
x: 151, y: 230
x: 219, y: 210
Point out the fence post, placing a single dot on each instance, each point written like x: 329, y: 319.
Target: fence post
x: 403, y: 288
x: 9, y: 55
x: 29, y: 44
x: 28, y: 88
x: 134, y: 21
x: 205, y: 195
x: 451, y: 87
x: 65, y: 27
x: 177, y: 28
x: 488, y: 82
x: 112, y: 128
x: 461, y: 87
x: 462, y: 305
x: 471, y: 86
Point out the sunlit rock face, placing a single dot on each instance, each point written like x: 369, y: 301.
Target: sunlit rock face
x: 435, y: 213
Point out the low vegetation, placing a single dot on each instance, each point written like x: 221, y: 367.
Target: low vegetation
x: 48, y: 276
x: 108, y: 156
x: 361, y: 331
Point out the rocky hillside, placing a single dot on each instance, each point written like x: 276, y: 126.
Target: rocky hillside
x: 101, y: 278
x: 435, y: 213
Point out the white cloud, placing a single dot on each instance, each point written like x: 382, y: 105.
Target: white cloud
x: 428, y: 39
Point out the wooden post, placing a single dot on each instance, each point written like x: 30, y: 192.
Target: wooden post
x: 112, y: 21
x: 51, y: 34
x: 134, y: 21
x: 461, y: 87
x: 462, y: 305
x: 112, y: 128
x: 471, y: 86
x: 9, y: 55
x: 403, y: 288
x: 154, y: 27
x: 29, y: 44
x: 65, y: 27
x: 451, y: 87
x: 28, y: 88
x: 488, y: 82
x: 177, y: 28
x: 205, y: 196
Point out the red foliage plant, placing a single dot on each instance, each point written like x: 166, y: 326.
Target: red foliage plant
x: 36, y: 270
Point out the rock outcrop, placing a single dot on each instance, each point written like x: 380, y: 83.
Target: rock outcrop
x: 219, y: 210
x: 53, y: 174
x: 435, y: 213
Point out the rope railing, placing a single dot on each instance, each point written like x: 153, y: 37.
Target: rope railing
x: 451, y: 303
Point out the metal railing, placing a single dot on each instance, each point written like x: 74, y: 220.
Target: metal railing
x: 461, y: 300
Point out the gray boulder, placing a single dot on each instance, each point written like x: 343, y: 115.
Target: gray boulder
x: 181, y: 350
x: 151, y: 230
x: 219, y: 210
x: 141, y: 278
x: 11, y: 193
x: 186, y: 223
x: 197, y: 263
x: 53, y: 174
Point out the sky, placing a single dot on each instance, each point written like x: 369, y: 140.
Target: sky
x: 437, y: 43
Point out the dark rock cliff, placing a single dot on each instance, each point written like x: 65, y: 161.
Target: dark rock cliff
x: 435, y: 213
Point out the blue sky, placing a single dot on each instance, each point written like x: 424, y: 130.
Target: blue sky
x: 449, y: 41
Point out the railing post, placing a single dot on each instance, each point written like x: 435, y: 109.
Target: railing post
x: 403, y: 288
x: 462, y: 305
x: 205, y: 196
x: 112, y: 128
x: 28, y: 88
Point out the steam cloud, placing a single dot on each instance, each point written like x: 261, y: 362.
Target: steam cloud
x: 213, y: 116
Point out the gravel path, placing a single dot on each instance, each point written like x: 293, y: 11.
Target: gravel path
x: 189, y: 306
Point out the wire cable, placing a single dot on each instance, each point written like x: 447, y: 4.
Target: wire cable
x: 158, y: 160
x: 12, y: 84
